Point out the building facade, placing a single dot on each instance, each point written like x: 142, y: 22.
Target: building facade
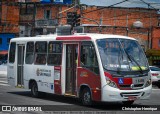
x: 9, y: 25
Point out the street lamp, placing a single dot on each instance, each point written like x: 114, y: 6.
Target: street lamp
x: 138, y: 24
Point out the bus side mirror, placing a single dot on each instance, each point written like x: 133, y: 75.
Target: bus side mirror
x: 91, y: 52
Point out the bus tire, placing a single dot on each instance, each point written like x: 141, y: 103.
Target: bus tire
x: 34, y: 89
x: 158, y: 85
x: 127, y: 102
x: 86, y: 97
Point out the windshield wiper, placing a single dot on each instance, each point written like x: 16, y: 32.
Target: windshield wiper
x: 132, y: 59
x: 119, y: 68
x: 121, y: 47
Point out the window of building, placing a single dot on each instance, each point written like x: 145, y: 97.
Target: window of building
x: 12, y: 52
x: 40, y: 52
x: 54, y: 53
x: 0, y: 41
x: 30, y: 53
x: 47, y: 14
x: 88, y: 57
x: 27, y: 9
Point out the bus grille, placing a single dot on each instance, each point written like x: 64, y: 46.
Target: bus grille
x: 136, y: 86
x: 133, y: 94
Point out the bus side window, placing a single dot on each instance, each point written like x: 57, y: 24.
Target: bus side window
x: 29, y: 53
x: 54, y: 53
x: 87, y: 60
x: 40, y: 52
x: 12, y: 52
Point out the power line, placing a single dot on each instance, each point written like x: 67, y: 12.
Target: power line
x: 92, y: 19
x: 105, y: 7
x: 118, y: 15
x: 148, y: 4
x: 131, y: 13
x: 142, y: 1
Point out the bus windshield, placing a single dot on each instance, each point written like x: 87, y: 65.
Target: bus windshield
x: 122, y: 55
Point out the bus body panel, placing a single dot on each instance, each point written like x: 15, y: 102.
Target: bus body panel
x: 12, y: 70
x: 11, y: 74
x: 42, y: 74
x: 63, y: 70
x: 57, y: 80
x: 92, y: 80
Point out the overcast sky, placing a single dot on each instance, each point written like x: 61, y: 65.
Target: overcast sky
x: 119, y: 3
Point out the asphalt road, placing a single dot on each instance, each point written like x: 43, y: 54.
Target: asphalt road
x: 50, y: 104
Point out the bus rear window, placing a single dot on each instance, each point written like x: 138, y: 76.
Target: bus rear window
x: 12, y: 52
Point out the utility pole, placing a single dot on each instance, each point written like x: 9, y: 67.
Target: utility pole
x: 75, y: 5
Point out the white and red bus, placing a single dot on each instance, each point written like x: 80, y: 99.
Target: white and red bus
x: 92, y: 67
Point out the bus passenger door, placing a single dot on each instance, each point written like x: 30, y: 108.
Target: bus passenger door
x: 20, y: 62
x: 71, y: 68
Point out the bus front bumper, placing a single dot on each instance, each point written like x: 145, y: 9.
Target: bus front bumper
x: 114, y: 94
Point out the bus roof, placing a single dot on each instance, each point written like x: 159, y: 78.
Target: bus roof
x: 75, y: 37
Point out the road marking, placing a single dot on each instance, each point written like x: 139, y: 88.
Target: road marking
x: 4, y: 84
x: 156, y: 89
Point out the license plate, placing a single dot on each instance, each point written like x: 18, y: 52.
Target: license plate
x: 131, y: 98
x: 138, y: 80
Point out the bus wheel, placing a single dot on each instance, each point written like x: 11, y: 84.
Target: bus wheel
x: 127, y: 102
x: 34, y: 89
x: 86, y: 97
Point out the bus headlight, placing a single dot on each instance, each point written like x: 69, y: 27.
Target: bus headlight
x: 111, y: 83
x: 148, y: 83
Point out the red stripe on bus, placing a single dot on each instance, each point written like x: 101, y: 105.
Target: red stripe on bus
x: 125, y: 80
x: 57, y: 68
x: 79, y: 38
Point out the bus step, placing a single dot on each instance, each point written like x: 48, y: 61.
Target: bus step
x: 19, y: 86
x: 68, y: 94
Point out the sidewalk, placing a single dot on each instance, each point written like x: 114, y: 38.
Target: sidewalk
x: 3, y: 70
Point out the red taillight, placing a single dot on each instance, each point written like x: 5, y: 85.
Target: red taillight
x: 155, y: 74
